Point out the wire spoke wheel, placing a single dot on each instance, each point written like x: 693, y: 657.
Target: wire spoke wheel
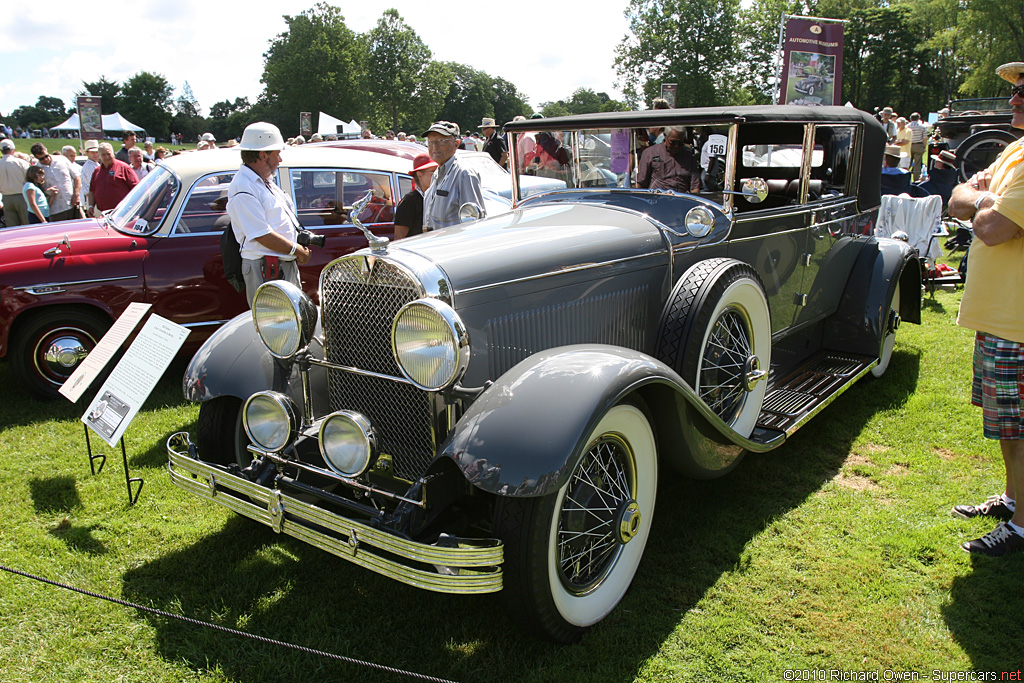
x: 721, y: 375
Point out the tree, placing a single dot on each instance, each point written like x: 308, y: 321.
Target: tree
x: 991, y: 33
x: 188, y: 119
x: 32, y: 117
x: 759, y: 48
x: 688, y: 42
x: 228, y: 119
x: 397, y: 59
x: 109, y: 93
x: 316, y: 63
x: 54, y: 106
x: 469, y: 97
x: 429, y: 97
x: 508, y: 102
x: 146, y: 102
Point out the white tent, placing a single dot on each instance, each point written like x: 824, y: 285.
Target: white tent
x: 110, y: 122
x: 328, y: 125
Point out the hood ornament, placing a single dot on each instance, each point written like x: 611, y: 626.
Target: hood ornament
x: 378, y: 245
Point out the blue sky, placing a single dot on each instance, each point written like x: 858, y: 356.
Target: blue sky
x: 49, y: 48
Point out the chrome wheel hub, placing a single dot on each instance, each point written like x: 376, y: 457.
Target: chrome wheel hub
x: 629, y: 519
x: 63, y: 354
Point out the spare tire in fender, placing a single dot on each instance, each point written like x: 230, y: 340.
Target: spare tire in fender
x: 715, y: 332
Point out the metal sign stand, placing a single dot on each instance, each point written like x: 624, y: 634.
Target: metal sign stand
x: 128, y: 479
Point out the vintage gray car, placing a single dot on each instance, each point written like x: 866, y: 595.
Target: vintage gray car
x: 487, y: 407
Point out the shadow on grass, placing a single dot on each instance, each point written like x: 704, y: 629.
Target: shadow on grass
x: 19, y: 409
x: 79, y: 538
x: 54, y: 494
x: 246, y: 577
x: 989, y: 595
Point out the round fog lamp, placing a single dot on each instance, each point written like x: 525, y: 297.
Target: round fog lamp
x: 270, y: 420
x: 348, y: 443
x: 284, y: 317
x: 430, y: 344
x: 699, y: 221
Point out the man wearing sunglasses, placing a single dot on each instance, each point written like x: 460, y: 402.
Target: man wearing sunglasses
x: 993, y: 306
x: 61, y: 175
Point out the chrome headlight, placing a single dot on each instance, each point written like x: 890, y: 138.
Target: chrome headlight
x: 699, y: 221
x: 271, y: 420
x: 284, y: 317
x: 348, y: 443
x: 430, y: 344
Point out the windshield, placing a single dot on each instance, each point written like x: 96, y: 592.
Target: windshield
x: 142, y: 211
x: 684, y: 159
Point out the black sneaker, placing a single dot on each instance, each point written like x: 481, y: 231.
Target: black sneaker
x: 999, y: 541
x: 993, y: 507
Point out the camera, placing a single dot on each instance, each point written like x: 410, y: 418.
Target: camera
x: 307, y: 238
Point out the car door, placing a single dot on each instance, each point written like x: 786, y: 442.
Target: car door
x: 772, y: 235
x: 184, y: 269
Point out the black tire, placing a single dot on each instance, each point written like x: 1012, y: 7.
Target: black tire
x: 978, y: 151
x: 570, y: 556
x: 716, y: 333
x: 220, y: 435
x: 49, y: 346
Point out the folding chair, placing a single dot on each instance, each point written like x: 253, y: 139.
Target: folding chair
x: 920, y: 219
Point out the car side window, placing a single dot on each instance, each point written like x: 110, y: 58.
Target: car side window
x: 206, y: 206
x: 325, y: 197
x: 404, y: 186
x: 837, y: 143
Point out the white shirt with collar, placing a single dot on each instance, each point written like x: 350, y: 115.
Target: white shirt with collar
x: 258, y: 208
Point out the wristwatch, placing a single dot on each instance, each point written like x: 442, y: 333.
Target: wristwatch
x: 295, y: 245
x: 981, y: 197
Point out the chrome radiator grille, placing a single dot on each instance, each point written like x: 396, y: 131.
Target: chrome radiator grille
x: 360, y: 297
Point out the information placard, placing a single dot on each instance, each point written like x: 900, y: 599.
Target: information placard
x: 98, y: 358
x: 133, y: 378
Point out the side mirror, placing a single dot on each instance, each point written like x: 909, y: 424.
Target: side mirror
x: 469, y: 212
x: 754, y: 190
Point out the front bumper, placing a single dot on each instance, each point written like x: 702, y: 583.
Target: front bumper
x: 473, y: 566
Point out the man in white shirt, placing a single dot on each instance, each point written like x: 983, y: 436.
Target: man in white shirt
x: 12, y: 179
x: 262, y: 216
x: 59, y: 174
x: 92, y: 152
x: 918, y: 134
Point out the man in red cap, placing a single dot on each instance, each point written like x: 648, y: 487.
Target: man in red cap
x: 993, y: 306
x: 409, y: 213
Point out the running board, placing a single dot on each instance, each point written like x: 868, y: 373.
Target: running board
x: 810, y: 389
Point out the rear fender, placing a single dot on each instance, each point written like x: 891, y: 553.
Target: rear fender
x: 859, y: 324
x: 526, y: 432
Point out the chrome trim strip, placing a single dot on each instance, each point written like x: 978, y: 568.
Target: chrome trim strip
x: 476, y: 562
x: 208, y: 323
x: 827, y: 402
x: 356, y: 371
x: 737, y: 240
x: 29, y: 288
x: 330, y: 474
x: 573, y: 269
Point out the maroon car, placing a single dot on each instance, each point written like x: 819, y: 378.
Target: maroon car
x: 63, y: 284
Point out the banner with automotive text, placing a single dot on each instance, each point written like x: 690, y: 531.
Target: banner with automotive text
x: 812, y: 62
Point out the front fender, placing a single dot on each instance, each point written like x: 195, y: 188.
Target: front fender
x: 859, y: 324
x: 526, y: 432
x: 235, y: 362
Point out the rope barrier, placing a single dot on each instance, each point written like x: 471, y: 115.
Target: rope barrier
x: 225, y: 629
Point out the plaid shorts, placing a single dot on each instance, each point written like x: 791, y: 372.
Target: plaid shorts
x: 998, y: 386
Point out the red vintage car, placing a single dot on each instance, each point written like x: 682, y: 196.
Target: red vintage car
x: 63, y: 284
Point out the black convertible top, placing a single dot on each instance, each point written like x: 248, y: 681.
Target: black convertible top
x: 871, y: 152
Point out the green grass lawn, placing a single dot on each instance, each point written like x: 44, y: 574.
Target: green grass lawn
x: 836, y: 551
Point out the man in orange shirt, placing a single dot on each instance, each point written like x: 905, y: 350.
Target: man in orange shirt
x: 993, y: 306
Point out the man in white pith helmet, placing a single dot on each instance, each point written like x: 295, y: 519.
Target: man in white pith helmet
x: 262, y: 215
